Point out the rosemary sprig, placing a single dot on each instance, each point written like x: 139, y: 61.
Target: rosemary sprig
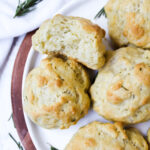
x: 100, y: 13
x: 25, y: 7
x: 53, y: 148
x: 17, y: 143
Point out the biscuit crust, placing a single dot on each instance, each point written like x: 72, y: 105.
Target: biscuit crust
x: 106, y: 136
x: 55, y: 93
x: 129, y: 22
x: 121, y: 91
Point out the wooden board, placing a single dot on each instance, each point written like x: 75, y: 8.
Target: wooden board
x: 16, y: 93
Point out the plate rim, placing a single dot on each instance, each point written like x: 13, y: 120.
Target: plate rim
x: 16, y: 92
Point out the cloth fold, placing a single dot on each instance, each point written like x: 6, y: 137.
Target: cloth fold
x: 12, y: 27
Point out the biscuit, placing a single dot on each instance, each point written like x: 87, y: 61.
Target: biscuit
x: 129, y: 22
x: 55, y: 93
x: 74, y: 37
x: 121, y: 91
x: 106, y: 136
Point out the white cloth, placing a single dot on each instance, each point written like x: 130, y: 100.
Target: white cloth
x: 10, y: 28
x: 6, y: 67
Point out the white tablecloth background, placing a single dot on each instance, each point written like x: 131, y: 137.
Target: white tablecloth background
x: 12, y: 32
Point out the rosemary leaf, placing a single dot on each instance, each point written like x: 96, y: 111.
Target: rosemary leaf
x: 17, y: 143
x: 100, y: 13
x: 25, y: 7
x: 11, y: 117
x: 53, y: 148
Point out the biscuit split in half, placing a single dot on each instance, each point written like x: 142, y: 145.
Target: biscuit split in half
x: 121, y: 91
x: 74, y: 37
x: 129, y: 22
x: 55, y: 93
x: 106, y: 136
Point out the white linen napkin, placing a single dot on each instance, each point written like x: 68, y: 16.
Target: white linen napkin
x: 12, y: 27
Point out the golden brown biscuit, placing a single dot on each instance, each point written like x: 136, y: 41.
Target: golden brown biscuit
x: 74, y: 37
x: 55, y: 93
x: 106, y: 136
x: 129, y: 22
x: 121, y: 91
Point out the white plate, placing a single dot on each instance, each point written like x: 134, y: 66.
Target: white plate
x: 56, y: 137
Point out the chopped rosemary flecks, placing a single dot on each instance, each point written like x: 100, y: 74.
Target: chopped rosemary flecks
x: 73, y: 120
x: 124, y: 88
x: 25, y: 7
x: 100, y: 13
x: 17, y: 143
